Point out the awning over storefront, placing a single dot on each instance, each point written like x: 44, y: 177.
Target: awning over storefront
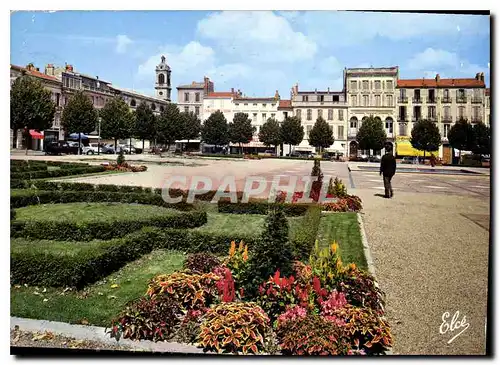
x: 36, y: 135
x: 250, y: 144
x: 404, y: 148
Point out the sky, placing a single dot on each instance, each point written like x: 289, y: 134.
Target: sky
x: 257, y: 52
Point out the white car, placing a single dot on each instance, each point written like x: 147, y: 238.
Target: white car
x: 91, y: 149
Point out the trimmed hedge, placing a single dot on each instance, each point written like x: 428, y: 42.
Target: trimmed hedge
x: 31, y: 197
x: 57, y: 270
x: 56, y: 173
x: 260, y: 207
x: 304, y: 236
x: 53, y: 269
x: 87, y: 231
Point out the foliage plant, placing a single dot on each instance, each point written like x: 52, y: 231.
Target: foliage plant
x: 215, y: 129
x: 191, y: 291
x: 189, y: 327
x: 241, y: 129
x: 234, y: 328
x: 276, y: 294
x: 371, y: 134
x: 152, y: 319
x: 292, y: 131
x: 321, y: 134
x: 237, y: 262
x: 120, y: 160
x: 270, y: 133
x: 337, y: 188
x: 117, y: 120
x: 311, y: 335
x: 201, y: 263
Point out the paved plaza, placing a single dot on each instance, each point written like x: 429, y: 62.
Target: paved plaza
x: 429, y: 243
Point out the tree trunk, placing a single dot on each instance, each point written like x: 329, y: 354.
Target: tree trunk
x: 79, y: 143
x: 241, y: 149
x: 14, y: 138
x: 130, y: 146
x: 290, y: 150
x: 424, y: 157
x: 143, y: 145
x: 115, y: 146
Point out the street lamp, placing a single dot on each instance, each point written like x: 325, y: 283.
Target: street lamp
x: 99, y: 137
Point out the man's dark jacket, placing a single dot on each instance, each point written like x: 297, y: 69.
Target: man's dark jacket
x: 388, y: 165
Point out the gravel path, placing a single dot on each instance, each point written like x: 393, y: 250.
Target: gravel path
x: 430, y: 259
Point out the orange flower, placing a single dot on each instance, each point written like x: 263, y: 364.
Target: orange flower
x: 232, y: 249
x: 241, y: 246
x: 334, y: 247
x: 352, y: 266
x: 245, y: 253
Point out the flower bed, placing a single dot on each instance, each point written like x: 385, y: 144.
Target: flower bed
x: 124, y: 167
x: 323, y: 308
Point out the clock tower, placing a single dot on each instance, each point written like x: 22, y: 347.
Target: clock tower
x: 163, y: 87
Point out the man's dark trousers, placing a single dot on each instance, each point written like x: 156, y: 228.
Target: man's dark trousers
x: 388, y: 186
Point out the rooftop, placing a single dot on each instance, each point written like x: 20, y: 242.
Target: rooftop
x: 222, y: 94
x: 267, y: 99
x: 135, y: 93
x: 193, y: 85
x: 36, y: 73
x: 285, y: 104
x: 438, y: 83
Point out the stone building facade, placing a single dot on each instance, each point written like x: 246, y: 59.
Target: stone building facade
x: 190, y: 97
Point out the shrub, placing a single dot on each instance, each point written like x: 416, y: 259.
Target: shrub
x: 105, y: 187
x: 189, y: 329
x: 151, y: 319
x: 326, y: 264
x: 350, y: 203
x: 364, y: 329
x: 311, y: 335
x: 12, y: 214
x: 237, y: 262
x: 271, y: 252
x: 75, y: 186
x: 304, y: 236
x: 292, y: 313
x: 235, y: 327
x: 53, y: 269
x: 121, y: 158
x: 201, y: 263
x: 337, y: 188
x: 191, y: 291
x: 56, y: 173
x: 225, y: 285
x: 104, y: 230
x: 261, y: 207
x: 334, y: 302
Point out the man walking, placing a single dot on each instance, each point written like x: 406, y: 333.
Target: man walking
x: 388, y: 169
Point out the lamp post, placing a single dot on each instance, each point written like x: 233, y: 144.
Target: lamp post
x: 99, y: 137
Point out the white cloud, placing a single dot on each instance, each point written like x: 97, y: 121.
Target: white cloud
x: 330, y: 66
x: 347, y: 28
x: 260, y: 36
x: 122, y: 42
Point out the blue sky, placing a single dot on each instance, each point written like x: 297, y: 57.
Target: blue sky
x: 258, y: 52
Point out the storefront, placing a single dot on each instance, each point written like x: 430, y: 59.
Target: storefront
x: 405, y: 149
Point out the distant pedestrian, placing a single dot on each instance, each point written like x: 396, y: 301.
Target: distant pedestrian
x: 388, y: 169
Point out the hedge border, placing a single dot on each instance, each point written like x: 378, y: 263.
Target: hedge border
x: 305, y: 236
x: 260, y: 207
x: 42, y: 174
x: 77, y: 231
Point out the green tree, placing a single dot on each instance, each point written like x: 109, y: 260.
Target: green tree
x: 215, y: 129
x: 144, y: 127
x: 270, y: 133
x: 321, y: 135
x: 425, y: 136
x: 292, y: 131
x: 461, y: 136
x: 371, y: 135
x: 31, y: 106
x: 481, y: 139
x: 79, y: 115
x: 117, y: 120
x: 273, y: 251
x: 191, y: 126
x: 170, y: 125
x: 241, y: 129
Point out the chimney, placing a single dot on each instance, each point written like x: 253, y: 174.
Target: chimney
x: 296, y: 88
x: 438, y: 78
x: 30, y: 67
x: 69, y: 68
x: 315, y: 91
x: 38, y: 69
x: 232, y: 90
x: 482, y: 76
x: 328, y: 90
x: 49, y: 69
x: 277, y: 95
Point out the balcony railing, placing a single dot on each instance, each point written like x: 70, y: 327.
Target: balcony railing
x: 352, y: 132
x: 477, y: 101
x: 447, y: 118
x: 432, y: 118
x: 432, y: 101
x: 403, y: 119
x: 476, y: 119
x: 417, y: 100
x: 446, y: 100
x: 402, y: 131
x: 402, y: 99
x: 416, y: 119
x: 461, y: 99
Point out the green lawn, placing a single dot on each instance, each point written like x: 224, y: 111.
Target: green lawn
x: 62, y: 248
x: 90, y: 212
x: 343, y: 228
x: 98, y: 303
x: 245, y: 224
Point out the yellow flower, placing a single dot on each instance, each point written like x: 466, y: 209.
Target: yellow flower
x: 352, y: 266
x: 232, y: 249
x: 241, y: 246
x: 334, y: 247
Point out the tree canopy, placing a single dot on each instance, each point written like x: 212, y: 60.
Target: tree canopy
x: 425, y: 136
x: 371, y: 134
x: 292, y: 131
x: 117, y: 120
x: 79, y: 114
x: 481, y: 139
x: 30, y: 105
x: 191, y: 126
x: 460, y: 135
x: 215, y: 129
x: 321, y: 135
x: 169, y: 125
x: 145, y: 126
x: 241, y: 129
x: 270, y: 133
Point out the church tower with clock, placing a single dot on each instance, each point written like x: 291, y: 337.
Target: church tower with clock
x: 163, y: 87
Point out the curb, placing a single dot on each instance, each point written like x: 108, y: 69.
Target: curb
x: 93, y: 333
x: 368, y: 255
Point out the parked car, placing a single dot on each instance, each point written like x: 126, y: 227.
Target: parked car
x: 108, y: 148
x: 57, y: 148
x: 92, y: 148
x: 375, y: 158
